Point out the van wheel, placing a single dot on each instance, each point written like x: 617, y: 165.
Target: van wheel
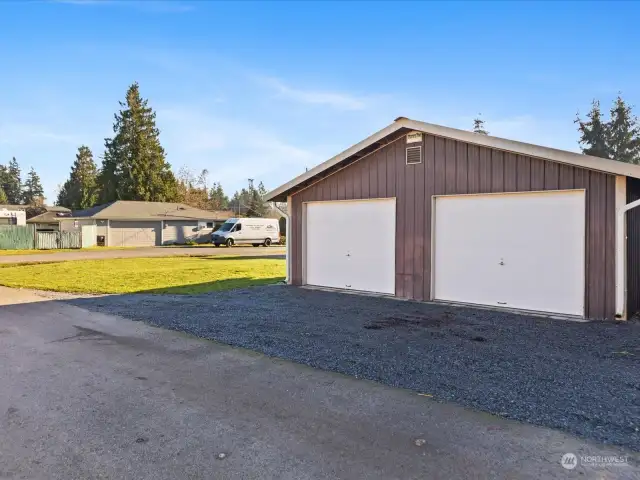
x: 217, y: 245
x: 267, y: 242
x: 229, y: 242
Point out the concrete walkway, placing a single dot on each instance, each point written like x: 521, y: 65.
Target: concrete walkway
x: 97, y: 254
x: 90, y: 395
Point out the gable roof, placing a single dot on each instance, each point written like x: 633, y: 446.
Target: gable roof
x: 46, y: 208
x: 50, y: 217
x: 403, y: 125
x: 131, y: 210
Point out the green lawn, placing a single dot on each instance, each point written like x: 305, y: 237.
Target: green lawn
x: 37, y: 252
x: 179, y: 275
x: 27, y: 252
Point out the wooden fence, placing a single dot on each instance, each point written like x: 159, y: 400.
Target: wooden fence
x: 16, y: 237
x: 25, y: 237
x: 56, y: 240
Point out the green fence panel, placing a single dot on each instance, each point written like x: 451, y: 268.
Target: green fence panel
x: 16, y: 237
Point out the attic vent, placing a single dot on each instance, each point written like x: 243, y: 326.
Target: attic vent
x: 414, y: 155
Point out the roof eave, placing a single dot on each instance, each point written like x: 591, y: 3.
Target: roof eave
x: 526, y: 149
x: 521, y: 148
x: 277, y: 194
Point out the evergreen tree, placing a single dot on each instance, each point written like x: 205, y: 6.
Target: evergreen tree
x: 478, y: 126
x: 107, y: 179
x: 80, y: 190
x: 4, y: 182
x: 256, y: 206
x: 623, y: 133
x: 617, y: 139
x: 239, y: 201
x: 250, y: 201
x: 13, y: 185
x: 217, y: 199
x: 33, y: 193
x: 594, y: 133
x: 134, y: 165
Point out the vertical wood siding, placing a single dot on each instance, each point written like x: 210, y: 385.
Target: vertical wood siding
x: 453, y: 167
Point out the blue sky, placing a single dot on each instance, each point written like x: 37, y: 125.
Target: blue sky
x: 263, y: 90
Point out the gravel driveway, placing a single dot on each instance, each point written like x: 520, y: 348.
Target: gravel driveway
x: 580, y: 377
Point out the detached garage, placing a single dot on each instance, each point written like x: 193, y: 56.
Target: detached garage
x: 426, y: 212
x: 147, y: 224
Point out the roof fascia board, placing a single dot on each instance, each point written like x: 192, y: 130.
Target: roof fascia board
x: 546, y: 153
x: 527, y: 149
x: 379, y: 135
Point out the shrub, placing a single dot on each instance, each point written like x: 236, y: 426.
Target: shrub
x: 283, y: 240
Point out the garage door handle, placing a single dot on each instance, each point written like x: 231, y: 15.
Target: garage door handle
x: 501, y: 262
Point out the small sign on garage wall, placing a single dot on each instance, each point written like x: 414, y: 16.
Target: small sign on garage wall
x: 414, y: 137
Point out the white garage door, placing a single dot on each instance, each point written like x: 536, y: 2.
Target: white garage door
x: 134, y: 234
x: 522, y: 250
x: 351, y: 245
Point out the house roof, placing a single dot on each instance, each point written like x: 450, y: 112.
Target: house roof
x: 48, y: 208
x: 403, y: 125
x: 130, y: 210
x: 50, y: 217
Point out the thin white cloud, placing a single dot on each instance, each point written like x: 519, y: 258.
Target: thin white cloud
x: 340, y: 101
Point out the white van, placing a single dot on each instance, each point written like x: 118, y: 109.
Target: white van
x: 254, y: 231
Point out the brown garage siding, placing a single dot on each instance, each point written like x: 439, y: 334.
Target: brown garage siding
x: 452, y: 167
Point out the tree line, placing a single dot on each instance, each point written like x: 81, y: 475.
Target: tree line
x: 134, y: 167
x: 12, y: 189
x: 195, y: 190
x: 616, y: 137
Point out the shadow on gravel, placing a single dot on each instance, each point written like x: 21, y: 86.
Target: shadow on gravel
x: 583, y: 378
x: 213, y: 286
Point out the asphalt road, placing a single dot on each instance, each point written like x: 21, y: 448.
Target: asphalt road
x: 141, y: 252
x: 91, y: 395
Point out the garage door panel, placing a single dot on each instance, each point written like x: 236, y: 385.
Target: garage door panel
x: 351, y: 244
x: 134, y: 234
x: 324, y: 263
x: 515, y: 250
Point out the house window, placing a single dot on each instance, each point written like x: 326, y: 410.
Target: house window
x: 209, y: 224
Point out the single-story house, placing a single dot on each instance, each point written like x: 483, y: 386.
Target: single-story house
x: 52, y: 219
x: 427, y: 212
x: 135, y: 224
x: 10, y: 215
